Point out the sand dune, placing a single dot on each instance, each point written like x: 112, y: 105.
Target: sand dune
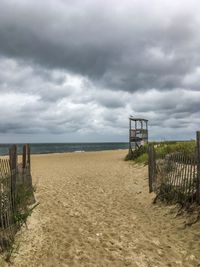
x: 95, y: 210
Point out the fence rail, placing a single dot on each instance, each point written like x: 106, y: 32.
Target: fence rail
x: 15, y: 182
x: 175, y: 176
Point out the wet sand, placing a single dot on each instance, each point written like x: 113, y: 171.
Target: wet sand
x: 95, y: 210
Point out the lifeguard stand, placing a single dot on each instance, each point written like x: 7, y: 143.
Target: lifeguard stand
x: 138, y: 133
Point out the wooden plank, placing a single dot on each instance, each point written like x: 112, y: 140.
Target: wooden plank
x: 1, y: 199
x: 182, y: 171
x: 9, y: 194
x: 175, y: 182
x: 178, y: 183
x: 170, y: 172
x: 198, y: 166
x: 187, y: 179
x: 151, y: 167
x: 191, y: 181
x: 28, y: 156
x: 24, y: 157
x: 173, y: 160
x: 185, y: 173
x: 194, y: 198
x: 13, y: 168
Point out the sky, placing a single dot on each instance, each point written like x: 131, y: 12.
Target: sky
x: 75, y: 70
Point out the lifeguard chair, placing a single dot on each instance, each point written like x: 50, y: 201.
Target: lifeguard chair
x: 138, y: 133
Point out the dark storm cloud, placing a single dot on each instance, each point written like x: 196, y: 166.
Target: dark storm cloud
x: 129, y: 46
x: 82, y: 67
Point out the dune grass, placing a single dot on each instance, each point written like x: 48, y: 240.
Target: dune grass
x: 187, y: 148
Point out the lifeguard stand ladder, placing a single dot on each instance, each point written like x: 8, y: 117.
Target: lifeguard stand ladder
x: 138, y: 133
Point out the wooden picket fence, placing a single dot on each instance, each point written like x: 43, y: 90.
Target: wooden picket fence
x: 175, y: 177
x: 16, y: 193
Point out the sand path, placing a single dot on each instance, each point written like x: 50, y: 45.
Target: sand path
x: 95, y: 210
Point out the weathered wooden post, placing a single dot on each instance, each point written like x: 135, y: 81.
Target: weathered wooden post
x: 152, y: 173
x: 26, y: 164
x: 24, y: 158
x: 198, y: 167
x: 28, y: 177
x: 13, y: 168
x: 28, y: 156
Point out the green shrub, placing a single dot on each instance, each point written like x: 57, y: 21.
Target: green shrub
x: 137, y: 153
x: 187, y: 148
x: 142, y: 159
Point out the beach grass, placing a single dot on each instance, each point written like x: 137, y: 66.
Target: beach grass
x: 187, y: 148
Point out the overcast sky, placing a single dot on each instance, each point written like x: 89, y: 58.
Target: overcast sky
x: 74, y: 70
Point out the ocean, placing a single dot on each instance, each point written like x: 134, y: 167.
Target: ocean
x: 65, y: 147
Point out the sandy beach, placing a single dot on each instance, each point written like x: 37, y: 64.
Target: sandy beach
x: 95, y: 210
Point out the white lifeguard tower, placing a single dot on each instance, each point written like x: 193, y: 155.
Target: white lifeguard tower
x: 138, y: 133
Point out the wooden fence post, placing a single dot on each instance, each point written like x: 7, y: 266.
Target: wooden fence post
x: 24, y: 157
x: 13, y: 168
x: 198, y: 167
x: 151, y: 155
x: 28, y: 156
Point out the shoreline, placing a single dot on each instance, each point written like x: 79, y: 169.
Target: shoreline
x: 70, y: 152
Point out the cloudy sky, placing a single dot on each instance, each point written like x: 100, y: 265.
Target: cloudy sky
x: 74, y: 70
